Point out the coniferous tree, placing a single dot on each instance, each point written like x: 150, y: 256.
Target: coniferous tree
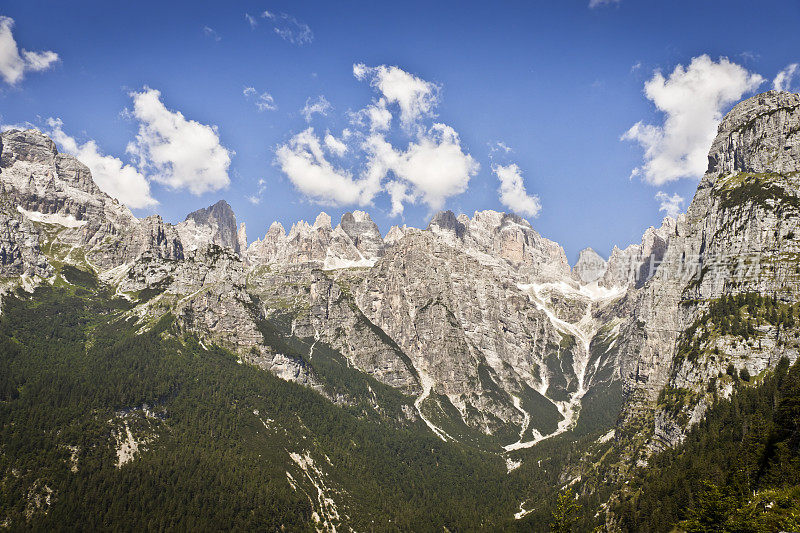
x: 565, y: 515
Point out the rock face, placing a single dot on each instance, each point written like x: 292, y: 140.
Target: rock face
x: 590, y: 266
x: 638, y: 262
x: 479, y: 320
x: 212, y: 225
x: 737, y: 238
x: 355, y: 242
x: 49, y: 186
x: 363, y: 232
x: 758, y: 135
x: 20, y: 250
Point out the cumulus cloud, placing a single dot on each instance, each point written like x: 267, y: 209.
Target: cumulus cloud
x: 251, y: 20
x: 264, y: 101
x: 289, y: 28
x: 671, y: 205
x: 414, y: 96
x: 15, y: 62
x: 692, y: 100
x: 432, y: 168
x: 304, y: 161
x: 336, y: 146
x: 783, y: 81
x: 318, y: 106
x: 112, y: 176
x: 180, y: 153
x: 597, y: 3
x: 375, y: 115
x: 512, y: 191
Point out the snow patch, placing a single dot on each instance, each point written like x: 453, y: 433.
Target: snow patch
x: 520, y: 444
x: 68, y: 221
x: 336, y: 263
x: 583, y: 331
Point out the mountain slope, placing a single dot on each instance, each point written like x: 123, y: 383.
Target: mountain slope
x: 736, y: 469
x: 339, y: 377
x: 737, y: 239
x: 101, y: 425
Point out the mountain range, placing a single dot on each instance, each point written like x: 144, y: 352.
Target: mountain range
x: 473, y: 335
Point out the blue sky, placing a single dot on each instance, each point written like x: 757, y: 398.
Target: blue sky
x: 559, y: 83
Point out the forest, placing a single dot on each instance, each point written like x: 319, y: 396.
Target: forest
x: 109, y: 425
x: 736, y: 471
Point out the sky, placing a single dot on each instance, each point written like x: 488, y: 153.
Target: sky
x: 590, y: 118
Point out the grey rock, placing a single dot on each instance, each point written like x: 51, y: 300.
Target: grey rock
x: 760, y: 134
x: 20, y: 250
x: 447, y: 223
x: 729, y: 242
x: 364, y: 233
x: 590, y: 266
x: 212, y: 225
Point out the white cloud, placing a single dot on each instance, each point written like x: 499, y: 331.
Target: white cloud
x: 18, y: 126
x: 319, y: 106
x: 499, y: 146
x: 783, y: 81
x: 180, y: 153
x: 398, y: 194
x: 111, y: 175
x: 416, y: 97
x: 512, y: 191
x: 289, y: 28
x: 304, y: 162
x: 376, y: 115
x: 15, y: 62
x: 692, y: 100
x: 255, y: 199
x: 264, y: 101
x: 251, y: 20
x: 597, y: 3
x: 671, y: 205
x: 336, y: 146
x: 211, y: 34
x: 431, y: 169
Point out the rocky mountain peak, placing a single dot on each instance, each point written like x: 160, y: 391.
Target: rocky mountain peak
x: 447, y: 223
x: 323, y: 221
x: 363, y: 232
x: 31, y: 146
x: 638, y: 262
x: 395, y: 234
x: 590, y: 266
x: 275, y: 229
x: 758, y: 135
x: 54, y: 187
x: 219, y: 213
x: 215, y: 224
